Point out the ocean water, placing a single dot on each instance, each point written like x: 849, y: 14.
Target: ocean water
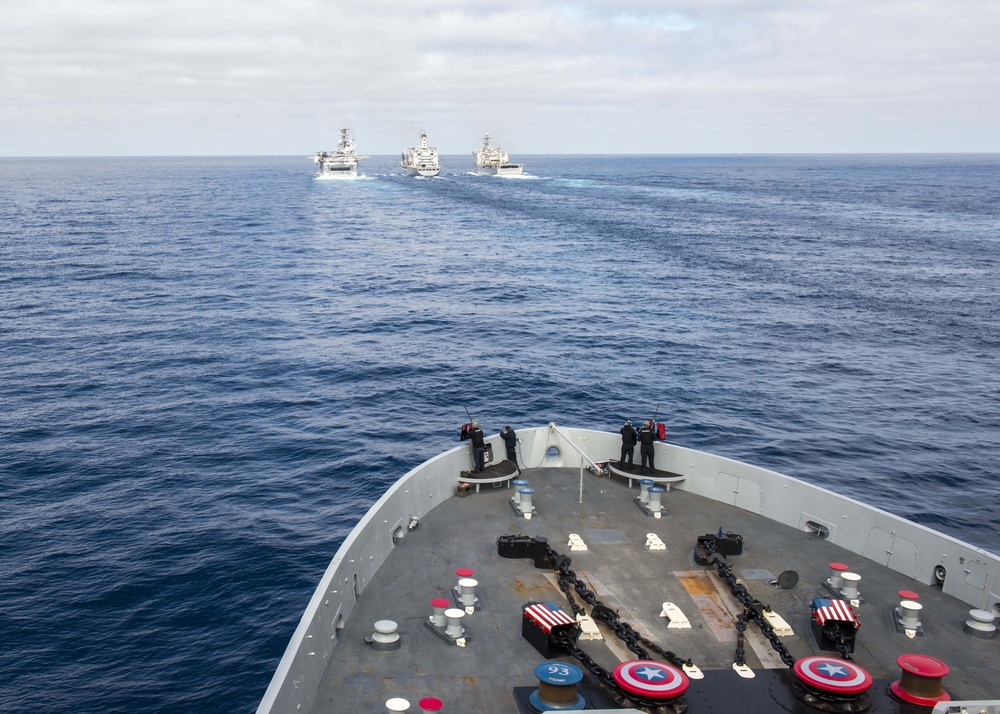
x: 211, y: 367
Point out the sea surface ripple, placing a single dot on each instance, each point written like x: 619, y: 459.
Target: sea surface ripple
x: 210, y: 368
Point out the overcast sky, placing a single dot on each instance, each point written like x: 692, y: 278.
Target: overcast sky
x: 249, y: 77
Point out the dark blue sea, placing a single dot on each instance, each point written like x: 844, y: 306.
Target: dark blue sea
x: 211, y: 367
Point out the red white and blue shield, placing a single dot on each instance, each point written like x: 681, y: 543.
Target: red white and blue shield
x: 653, y: 680
x: 836, y: 676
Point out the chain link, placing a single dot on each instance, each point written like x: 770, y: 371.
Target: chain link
x: 741, y: 628
x: 752, y: 607
x: 753, y: 610
x: 603, y: 614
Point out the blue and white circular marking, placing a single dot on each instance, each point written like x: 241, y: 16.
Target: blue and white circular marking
x: 647, y: 678
x: 558, y: 673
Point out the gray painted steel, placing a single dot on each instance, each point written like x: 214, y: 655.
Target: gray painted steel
x: 557, y: 462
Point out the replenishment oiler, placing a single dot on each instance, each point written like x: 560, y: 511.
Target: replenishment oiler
x: 421, y: 160
x: 340, y: 163
x: 570, y: 581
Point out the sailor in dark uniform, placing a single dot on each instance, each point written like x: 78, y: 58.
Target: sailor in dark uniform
x: 629, y: 438
x: 478, y: 446
x: 509, y: 437
x: 646, y: 438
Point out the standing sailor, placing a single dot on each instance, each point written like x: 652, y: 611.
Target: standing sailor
x: 509, y: 437
x: 646, y: 438
x: 629, y: 438
x: 475, y: 434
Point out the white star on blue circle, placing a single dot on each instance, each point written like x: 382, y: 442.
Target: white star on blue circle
x: 833, y: 671
x: 650, y: 674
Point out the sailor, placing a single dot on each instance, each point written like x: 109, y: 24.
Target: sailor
x: 629, y: 437
x: 509, y: 437
x: 646, y: 438
x: 478, y: 446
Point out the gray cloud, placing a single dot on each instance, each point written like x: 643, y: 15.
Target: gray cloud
x: 263, y: 77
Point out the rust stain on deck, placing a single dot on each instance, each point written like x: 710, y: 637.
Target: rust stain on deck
x: 709, y: 602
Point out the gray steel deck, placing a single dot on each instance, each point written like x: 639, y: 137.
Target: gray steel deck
x: 462, y: 532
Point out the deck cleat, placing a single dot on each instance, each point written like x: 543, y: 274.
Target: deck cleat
x: 676, y: 619
x: 654, y: 542
x: 693, y: 671
x: 831, y: 685
x: 576, y: 543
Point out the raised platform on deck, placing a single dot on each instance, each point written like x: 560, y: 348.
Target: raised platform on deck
x: 636, y: 473
x: 493, y: 474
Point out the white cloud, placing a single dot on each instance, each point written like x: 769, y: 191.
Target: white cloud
x: 110, y: 76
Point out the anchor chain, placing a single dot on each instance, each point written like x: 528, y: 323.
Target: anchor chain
x: 565, y: 640
x: 843, y: 646
x: 753, y: 608
x: 741, y: 628
x: 600, y: 612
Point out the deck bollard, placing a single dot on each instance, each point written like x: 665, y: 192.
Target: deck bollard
x: 557, y: 687
x: 466, y: 591
x: 654, y: 504
x: 397, y: 704
x: 644, y: 485
x: 439, y: 604
x: 909, y: 614
x: 524, y: 504
x: 454, y: 615
x: 836, y: 581
x: 850, y: 589
x: 981, y: 624
x: 385, y: 638
x: 920, y: 682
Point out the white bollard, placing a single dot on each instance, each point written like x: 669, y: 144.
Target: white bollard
x: 850, y: 589
x: 654, y: 499
x: 524, y: 505
x: 467, y: 591
x: 454, y: 630
x: 909, y: 614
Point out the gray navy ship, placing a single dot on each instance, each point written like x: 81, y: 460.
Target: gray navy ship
x: 572, y: 581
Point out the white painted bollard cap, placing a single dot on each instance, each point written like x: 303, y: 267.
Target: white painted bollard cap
x: 397, y: 704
